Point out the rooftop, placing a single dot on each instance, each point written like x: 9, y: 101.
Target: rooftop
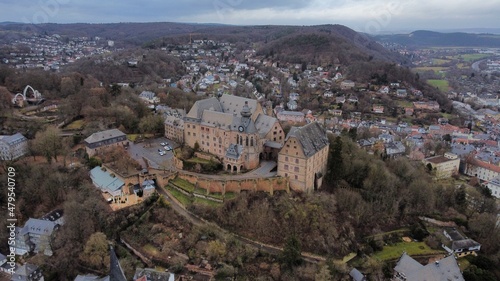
x: 104, y: 135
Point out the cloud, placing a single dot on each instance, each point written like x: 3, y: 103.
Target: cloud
x: 362, y: 15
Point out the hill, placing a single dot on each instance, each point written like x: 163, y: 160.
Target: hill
x: 424, y: 38
x: 330, y: 37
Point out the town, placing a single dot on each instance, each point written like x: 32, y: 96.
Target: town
x: 234, y: 124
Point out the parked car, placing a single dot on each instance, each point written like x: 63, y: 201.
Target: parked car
x: 168, y: 148
x: 163, y: 144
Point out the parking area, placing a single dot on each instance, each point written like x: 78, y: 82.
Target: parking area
x: 153, y: 150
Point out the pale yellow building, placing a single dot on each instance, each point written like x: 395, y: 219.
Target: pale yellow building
x: 444, y: 166
x: 303, y: 158
x: 235, y: 129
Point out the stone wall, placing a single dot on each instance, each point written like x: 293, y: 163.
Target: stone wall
x: 237, y: 185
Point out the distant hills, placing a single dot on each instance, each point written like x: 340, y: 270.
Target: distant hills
x: 306, y: 43
x: 424, y: 38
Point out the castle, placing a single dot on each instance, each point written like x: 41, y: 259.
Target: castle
x: 237, y: 131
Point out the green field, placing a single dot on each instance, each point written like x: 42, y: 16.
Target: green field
x: 181, y: 197
x: 440, y: 84
x: 206, y: 202
x: 439, y: 61
x: 436, y: 69
x: 473, y: 57
x: 75, y: 125
x: 411, y: 248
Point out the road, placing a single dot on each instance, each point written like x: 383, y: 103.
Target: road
x: 475, y: 65
x: 195, y: 220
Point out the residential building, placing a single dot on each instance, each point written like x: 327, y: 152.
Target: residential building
x: 444, y: 166
x: 149, y: 97
x: 35, y: 236
x: 303, y: 158
x: 97, y: 142
x: 290, y: 116
x: 106, y: 182
x: 356, y: 275
x: 408, y: 269
x: 27, y: 272
x: 460, y: 245
x: 395, y: 149
x: 12, y: 147
x: 235, y: 130
x: 347, y: 84
x: 484, y: 171
x: 494, y: 186
x: 174, y: 128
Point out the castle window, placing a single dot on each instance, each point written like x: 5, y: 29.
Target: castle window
x: 286, y: 167
x: 296, y: 169
x: 297, y: 161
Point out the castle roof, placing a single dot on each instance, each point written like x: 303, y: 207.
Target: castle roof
x: 312, y: 138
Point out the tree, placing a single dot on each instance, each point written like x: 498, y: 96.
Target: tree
x: 291, y: 256
x: 48, y: 143
x: 335, y: 162
x: 95, y: 252
x: 216, y: 250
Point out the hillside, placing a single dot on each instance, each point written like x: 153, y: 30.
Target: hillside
x: 424, y: 38
x: 340, y: 40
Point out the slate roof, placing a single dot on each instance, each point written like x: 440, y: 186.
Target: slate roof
x: 312, y: 138
x: 264, y: 124
x: 105, y: 181
x: 464, y: 244
x: 150, y: 274
x: 104, y: 135
x: 234, y: 151
x: 357, y: 275
x: 22, y: 273
x: 90, y: 277
x: 445, y: 269
x: 39, y: 227
x: 13, y: 139
x: 115, y: 269
x: 234, y: 104
x: 211, y: 104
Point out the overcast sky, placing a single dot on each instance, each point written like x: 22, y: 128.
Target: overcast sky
x: 372, y: 16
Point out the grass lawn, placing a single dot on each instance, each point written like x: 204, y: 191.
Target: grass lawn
x: 412, y: 248
x: 75, y: 125
x: 404, y: 103
x: 440, y: 84
x: 206, y: 202
x: 150, y: 249
x: 184, y: 184
x: 402, y: 231
x: 181, y: 197
x: 463, y: 263
x: 439, y: 61
x: 229, y: 195
x: 436, y: 69
x: 200, y: 191
x: 198, y: 160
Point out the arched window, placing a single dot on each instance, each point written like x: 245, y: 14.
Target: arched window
x: 251, y: 141
x: 246, y: 141
x: 241, y: 140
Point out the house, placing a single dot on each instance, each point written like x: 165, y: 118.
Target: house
x: 352, y: 99
x: 395, y: 149
x: 294, y: 96
x: 290, y: 116
x: 303, y: 158
x: 106, y: 182
x: 150, y: 274
x: 97, y: 142
x: 340, y: 99
x: 292, y: 105
x: 335, y: 112
x: 232, y: 126
x: 384, y: 90
x: 356, y: 275
x: 35, y: 236
x: 401, y: 93
x: 444, y: 166
x: 408, y: 269
x: 13, y: 147
x: 347, y: 84
x: 376, y: 108
x: 91, y: 277
x: 27, y: 272
x: 149, y: 97
x: 494, y: 186
x: 328, y: 94
x: 409, y: 111
x: 460, y: 245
